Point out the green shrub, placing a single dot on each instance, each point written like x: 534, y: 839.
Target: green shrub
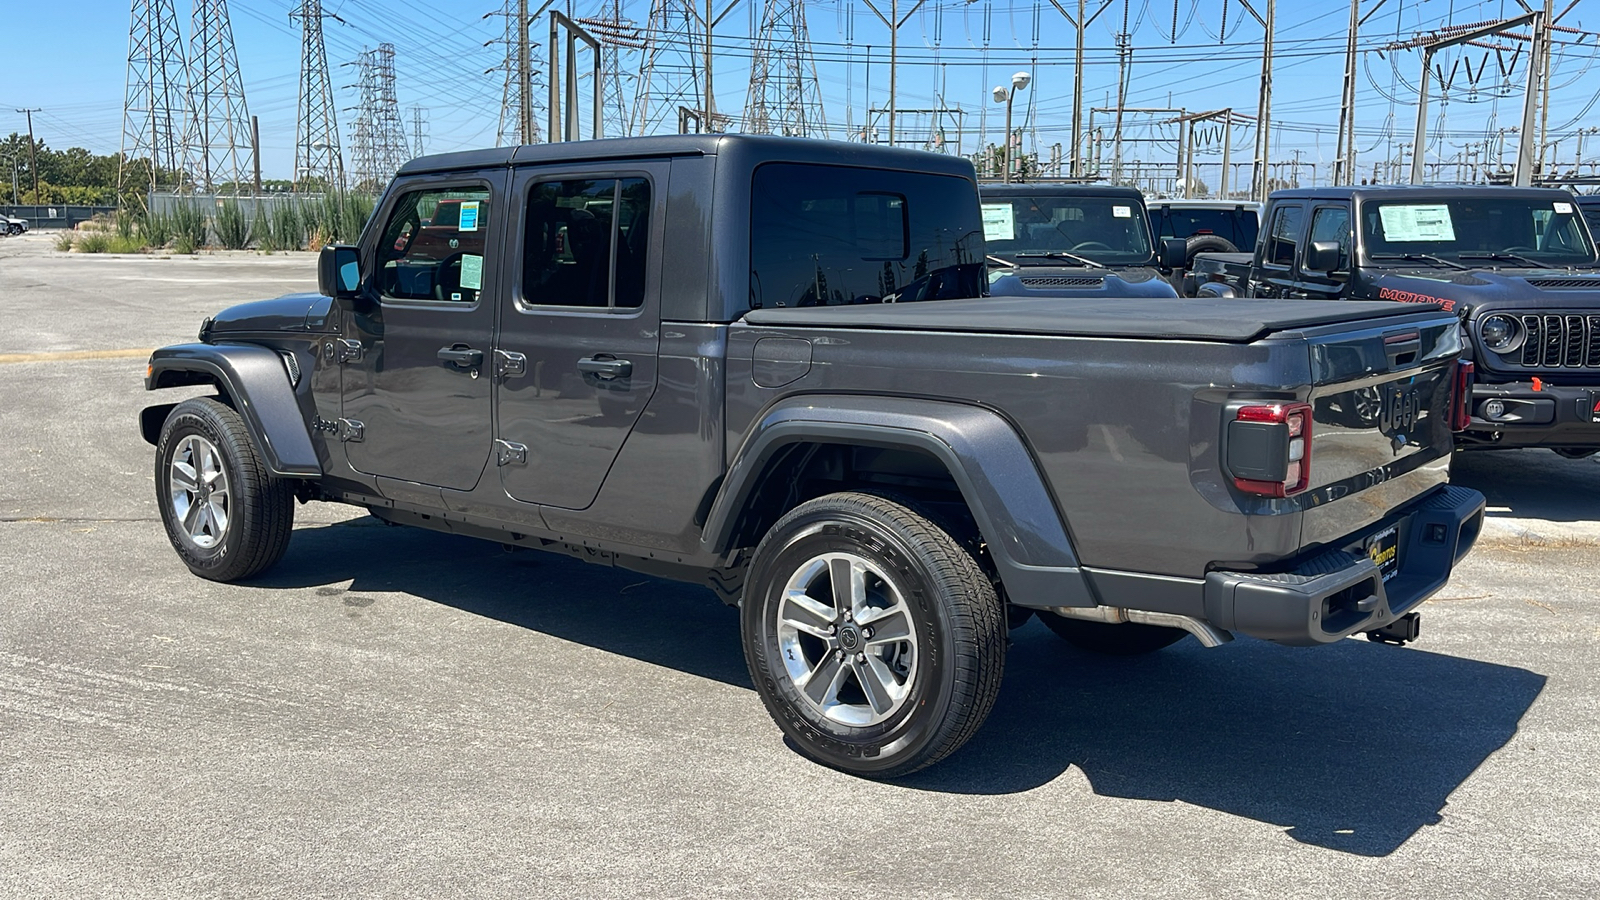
x: 130, y: 244
x: 233, y: 229
x: 183, y: 243
x: 156, y: 229
x: 124, y: 224
x: 189, y: 224
x: 94, y: 242
x: 64, y: 241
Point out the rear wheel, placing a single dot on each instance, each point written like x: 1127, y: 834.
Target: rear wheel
x: 227, y: 517
x: 1575, y: 452
x: 1126, y: 639
x: 873, y: 637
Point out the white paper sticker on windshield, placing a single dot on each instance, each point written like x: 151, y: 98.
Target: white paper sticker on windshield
x: 1564, y: 209
x: 471, y: 272
x: 469, y: 216
x: 999, y: 222
x: 1122, y: 212
x: 1417, y: 223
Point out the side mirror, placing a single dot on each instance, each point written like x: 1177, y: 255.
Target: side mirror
x: 338, y: 272
x: 1322, y: 256
x: 1174, y: 253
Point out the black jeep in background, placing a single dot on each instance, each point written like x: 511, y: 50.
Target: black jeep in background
x: 1517, y: 265
x: 769, y: 366
x: 1073, y: 240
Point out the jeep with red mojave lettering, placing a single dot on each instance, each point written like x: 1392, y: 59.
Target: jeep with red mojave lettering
x: 1518, y: 265
x: 769, y: 365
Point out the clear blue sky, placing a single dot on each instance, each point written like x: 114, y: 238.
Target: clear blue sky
x: 70, y: 59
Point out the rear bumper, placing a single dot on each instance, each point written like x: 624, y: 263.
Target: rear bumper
x: 1552, y: 416
x: 1341, y: 592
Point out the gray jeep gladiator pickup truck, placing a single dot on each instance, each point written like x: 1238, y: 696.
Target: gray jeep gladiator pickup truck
x: 1073, y: 240
x: 768, y: 365
x: 1516, y: 264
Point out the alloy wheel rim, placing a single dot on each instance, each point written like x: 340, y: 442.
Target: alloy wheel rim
x: 846, y: 637
x: 198, y: 491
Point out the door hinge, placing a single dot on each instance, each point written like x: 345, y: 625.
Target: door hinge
x: 509, y: 364
x: 352, y: 431
x: 347, y: 350
x: 511, y: 454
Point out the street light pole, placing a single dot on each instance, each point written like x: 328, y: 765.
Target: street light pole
x: 33, y: 152
x: 1003, y: 94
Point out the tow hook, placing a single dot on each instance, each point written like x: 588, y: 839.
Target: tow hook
x: 1400, y: 632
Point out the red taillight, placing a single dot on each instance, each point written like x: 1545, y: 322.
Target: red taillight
x: 1461, y: 409
x: 1296, y: 435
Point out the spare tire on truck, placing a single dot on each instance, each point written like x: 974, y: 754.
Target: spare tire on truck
x: 1205, y: 243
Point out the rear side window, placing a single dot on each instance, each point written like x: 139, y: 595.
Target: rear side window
x: 1285, y: 233
x: 433, y: 245
x: 832, y: 235
x: 586, y: 243
x: 1332, y: 223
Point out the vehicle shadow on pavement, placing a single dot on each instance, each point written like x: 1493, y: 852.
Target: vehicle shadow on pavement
x: 1531, y: 484
x: 1353, y: 746
x: 678, y: 626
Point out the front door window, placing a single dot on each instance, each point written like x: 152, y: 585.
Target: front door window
x: 433, y: 246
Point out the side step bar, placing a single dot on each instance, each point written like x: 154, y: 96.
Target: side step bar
x: 1116, y: 615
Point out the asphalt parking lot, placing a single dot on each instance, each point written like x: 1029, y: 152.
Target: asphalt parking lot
x: 393, y: 712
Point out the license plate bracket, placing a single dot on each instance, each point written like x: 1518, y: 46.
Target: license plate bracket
x: 1383, y: 549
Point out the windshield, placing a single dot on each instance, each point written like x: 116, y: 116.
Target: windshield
x: 1500, y: 229
x: 1111, y: 231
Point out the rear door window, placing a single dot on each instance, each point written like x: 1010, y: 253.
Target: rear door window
x: 586, y: 243
x: 432, y: 247
x: 1284, y: 237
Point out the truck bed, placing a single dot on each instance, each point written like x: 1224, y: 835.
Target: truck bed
x: 1216, y: 320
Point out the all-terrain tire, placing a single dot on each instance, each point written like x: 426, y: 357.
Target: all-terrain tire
x: 256, y: 509
x: 954, y: 623
x: 1125, y: 639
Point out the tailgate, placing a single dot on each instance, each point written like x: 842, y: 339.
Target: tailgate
x: 1381, y: 404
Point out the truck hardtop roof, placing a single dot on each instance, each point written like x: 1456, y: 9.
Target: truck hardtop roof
x: 1394, y: 191
x: 1202, y: 204
x: 755, y: 148
x: 1057, y: 188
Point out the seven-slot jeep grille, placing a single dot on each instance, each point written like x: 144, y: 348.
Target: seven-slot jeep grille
x: 1561, y: 342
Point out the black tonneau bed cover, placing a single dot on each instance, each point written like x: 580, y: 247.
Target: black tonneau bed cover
x: 1221, y: 320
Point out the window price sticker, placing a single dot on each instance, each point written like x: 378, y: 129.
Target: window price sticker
x: 469, y: 217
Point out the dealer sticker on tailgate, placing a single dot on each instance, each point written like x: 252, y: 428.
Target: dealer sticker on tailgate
x: 1384, y: 550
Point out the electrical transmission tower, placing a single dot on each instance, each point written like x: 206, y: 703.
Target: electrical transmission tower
x: 671, y: 72
x: 318, y: 159
x: 615, y: 34
x: 218, y: 142
x: 153, y: 109
x: 784, y: 95
x: 419, y: 124
x: 378, y: 138
x: 519, y: 100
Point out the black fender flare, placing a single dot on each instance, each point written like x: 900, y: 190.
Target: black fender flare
x: 996, y: 474
x: 257, y: 384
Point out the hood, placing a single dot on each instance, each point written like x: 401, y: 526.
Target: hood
x: 1472, y: 292
x: 309, y: 312
x: 1075, y: 281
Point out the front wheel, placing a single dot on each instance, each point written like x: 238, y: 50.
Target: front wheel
x: 227, y: 517
x: 874, y: 638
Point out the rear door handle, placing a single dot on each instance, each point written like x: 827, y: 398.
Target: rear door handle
x: 605, y: 367
x: 462, y: 357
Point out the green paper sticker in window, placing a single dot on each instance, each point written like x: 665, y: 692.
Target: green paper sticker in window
x: 472, y: 272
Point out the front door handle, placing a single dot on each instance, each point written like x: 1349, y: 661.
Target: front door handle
x: 605, y: 367
x: 461, y: 356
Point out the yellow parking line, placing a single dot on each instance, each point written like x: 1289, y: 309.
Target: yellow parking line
x: 74, y: 354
